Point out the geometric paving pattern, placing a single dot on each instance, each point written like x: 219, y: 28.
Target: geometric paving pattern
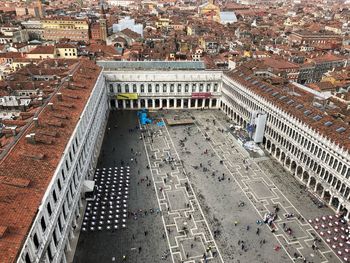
x: 264, y: 195
x: 188, y: 234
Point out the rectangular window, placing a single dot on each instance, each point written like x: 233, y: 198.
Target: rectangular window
x: 59, y: 223
x: 179, y: 88
x: 54, y: 196
x: 49, y: 210
x: 194, y: 87
x: 157, y: 88
x: 164, y: 88
x: 142, y: 89
x: 111, y: 88
x: 55, y: 241
x: 36, y: 241
x: 149, y: 88
x: 119, y: 88
x: 59, y: 184
x: 43, y: 224
x: 134, y: 88
x: 49, y: 254
x: 67, y: 166
x: 171, y: 87
x: 200, y: 87
x: 127, y: 88
x: 64, y: 211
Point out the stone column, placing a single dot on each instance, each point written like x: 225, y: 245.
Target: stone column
x: 161, y: 103
x: 131, y: 104
x: 146, y: 103
x: 330, y: 201
x: 124, y: 104
x: 210, y: 103
x: 315, y: 188
x: 196, y: 103
x: 168, y: 103
x: 308, y: 182
x: 338, y: 208
x: 182, y: 103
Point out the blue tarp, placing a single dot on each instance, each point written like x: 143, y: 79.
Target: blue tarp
x: 142, y: 114
x: 161, y: 124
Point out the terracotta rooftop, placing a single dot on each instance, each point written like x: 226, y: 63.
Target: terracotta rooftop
x: 300, y: 104
x: 26, y: 170
x: 43, y: 50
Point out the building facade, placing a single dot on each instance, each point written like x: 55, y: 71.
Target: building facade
x: 315, y: 160
x: 52, y: 229
x: 64, y: 27
x: 165, y: 89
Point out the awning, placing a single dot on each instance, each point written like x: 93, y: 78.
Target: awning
x: 88, y: 186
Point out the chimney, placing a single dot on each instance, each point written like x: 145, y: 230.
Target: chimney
x: 14, y: 131
x: 31, y: 138
x: 36, y: 121
x: 50, y: 105
x: 59, y: 96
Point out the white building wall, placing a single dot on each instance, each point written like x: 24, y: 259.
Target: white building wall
x: 316, y: 161
x: 165, y: 89
x: 48, y: 244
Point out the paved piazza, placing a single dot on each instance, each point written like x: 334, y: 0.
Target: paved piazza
x: 208, y: 198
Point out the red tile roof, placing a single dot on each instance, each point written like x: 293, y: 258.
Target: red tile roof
x: 303, y: 98
x: 24, y: 179
x: 43, y: 50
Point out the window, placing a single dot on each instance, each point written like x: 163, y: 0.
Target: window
x: 67, y: 166
x: 149, y: 88
x: 193, y: 87
x: 55, y: 238
x: 59, y: 184
x: 171, y: 87
x: 186, y: 88
x: 43, y: 224
x: 64, y: 211
x: 27, y: 258
x: 119, y: 88
x: 54, y: 196
x: 142, y: 88
x: 164, y: 88
x: 179, y: 88
x: 49, y: 210
x: 200, y: 87
x: 127, y: 88
x: 157, y: 88
x: 215, y: 87
x: 134, y: 88
x: 111, y: 88
x: 36, y: 241
x: 49, y: 253
x: 59, y: 223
